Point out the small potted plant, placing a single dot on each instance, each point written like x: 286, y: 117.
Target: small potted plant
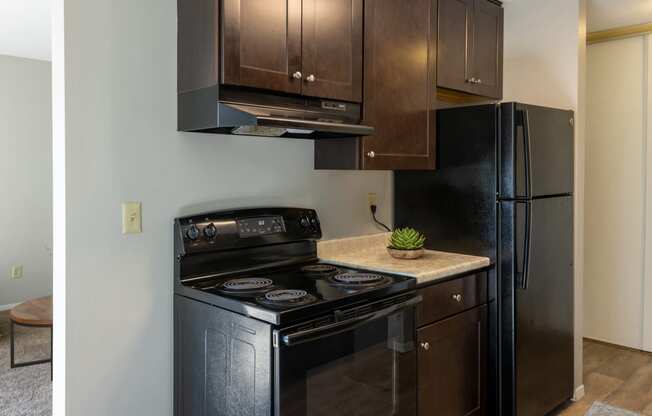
x: 406, y: 243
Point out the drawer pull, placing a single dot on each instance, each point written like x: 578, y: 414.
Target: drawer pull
x: 425, y: 346
x: 457, y: 298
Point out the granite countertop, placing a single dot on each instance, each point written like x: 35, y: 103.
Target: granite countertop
x: 369, y: 252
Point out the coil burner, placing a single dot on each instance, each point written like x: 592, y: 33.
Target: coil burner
x: 245, y: 286
x: 319, y: 270
x: 287, y: 298
x: 354, y: 279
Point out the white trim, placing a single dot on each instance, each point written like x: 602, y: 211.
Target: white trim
x: 59, y: 205
x: 579, y: 393
x: 8, y: 307
x: 644, y: 155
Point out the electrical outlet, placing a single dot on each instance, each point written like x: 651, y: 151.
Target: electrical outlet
x: 372, y: 198
x: 131, y: 218
x: 17, y: 271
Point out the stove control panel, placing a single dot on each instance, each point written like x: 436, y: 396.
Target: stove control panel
x: 226, y: 230
x: 253, y: 227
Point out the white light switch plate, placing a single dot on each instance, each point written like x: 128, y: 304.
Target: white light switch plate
x: 131, y: 218
x: 17, y: 271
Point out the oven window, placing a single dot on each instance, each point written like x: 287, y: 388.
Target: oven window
x: 368, y: 371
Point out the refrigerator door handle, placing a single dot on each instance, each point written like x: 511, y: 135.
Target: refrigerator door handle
x: 527, y: 244
x: 527, y: 157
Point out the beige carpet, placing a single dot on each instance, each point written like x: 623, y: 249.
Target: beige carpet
x: 25, y: 391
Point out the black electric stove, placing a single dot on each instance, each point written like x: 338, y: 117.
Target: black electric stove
x: 263, y: 327
x: 263, y: 263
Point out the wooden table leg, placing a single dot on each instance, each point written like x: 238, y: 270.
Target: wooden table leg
x: 51, y: 353
x: 11, y: 342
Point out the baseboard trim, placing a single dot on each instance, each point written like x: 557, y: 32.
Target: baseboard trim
x: 8, y: 307
x: 579, y: 393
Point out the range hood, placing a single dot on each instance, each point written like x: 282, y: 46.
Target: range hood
x: 235, y: 110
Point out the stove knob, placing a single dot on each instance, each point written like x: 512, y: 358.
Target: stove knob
x: 192, y: 233
x: 313, y: 222
x: 304, y: 222
x: 210, y: 231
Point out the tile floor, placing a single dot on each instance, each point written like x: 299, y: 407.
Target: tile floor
x: 618, y: 376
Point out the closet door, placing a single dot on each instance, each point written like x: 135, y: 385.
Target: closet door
x: 614, y: 214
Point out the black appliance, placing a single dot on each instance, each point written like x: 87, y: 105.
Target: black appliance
x: 238, y: 110
x: 263, y: 327
x: 503, y: 189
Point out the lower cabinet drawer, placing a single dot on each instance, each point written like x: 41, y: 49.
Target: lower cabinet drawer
x: 452, y: 365
x: 445, y: 299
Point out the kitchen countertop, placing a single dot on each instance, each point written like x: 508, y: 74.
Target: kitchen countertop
x: 369, y: 252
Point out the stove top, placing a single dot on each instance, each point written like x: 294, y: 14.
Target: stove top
x: 308, y: 288
x: 262, y: 263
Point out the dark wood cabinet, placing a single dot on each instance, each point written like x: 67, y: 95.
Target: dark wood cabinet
x: 448, y: 298
x: 309, y: 47
x: 399, y: 87
x: 332, y: 49
x: 261, y: 44
x: 455, y: 40
x: 470, y: 47
x: 417, y: 58
x: 452, y: 365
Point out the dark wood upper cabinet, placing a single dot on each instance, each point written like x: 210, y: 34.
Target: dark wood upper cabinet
x: 309, y: 47
x: 332, y: 49
x: 487, y: 65
x: 261, y: 44
x: 470, y: 47
x: 455, y: 38
x: 452, y: 365
x: 399, y: 85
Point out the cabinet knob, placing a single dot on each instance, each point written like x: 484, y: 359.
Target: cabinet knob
x: 297, y: 75
x: 425, y: 346
x: 311, y: 78
x: 371, y: 154
x: 457, y: 298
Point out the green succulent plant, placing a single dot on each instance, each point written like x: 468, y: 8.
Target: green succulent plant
x: 406, y: 239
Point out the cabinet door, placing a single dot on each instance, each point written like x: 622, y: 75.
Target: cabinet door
x: 261, y: 44
x: 399, y: 84
x: 332, y: 49
x: 454, y: 44
x: 452, y: 365
x: 487, y: 49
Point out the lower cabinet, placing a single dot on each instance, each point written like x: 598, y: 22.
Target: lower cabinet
x: 452, y: 365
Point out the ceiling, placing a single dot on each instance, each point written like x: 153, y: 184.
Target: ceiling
x: 608, y: 14
x: 25, y: 28
x: 25, y: 24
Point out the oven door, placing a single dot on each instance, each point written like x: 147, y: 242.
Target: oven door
x: 361, y: 364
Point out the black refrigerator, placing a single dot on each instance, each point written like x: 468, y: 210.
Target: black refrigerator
x: 503, y: 189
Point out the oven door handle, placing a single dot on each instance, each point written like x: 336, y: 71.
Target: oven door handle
x: 343, y: 326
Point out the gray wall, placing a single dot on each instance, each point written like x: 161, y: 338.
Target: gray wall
x: 25, y: 178
x: 121, y: 145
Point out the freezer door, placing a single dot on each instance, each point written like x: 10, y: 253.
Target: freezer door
x: 543, y: 296
x: 536, y: 151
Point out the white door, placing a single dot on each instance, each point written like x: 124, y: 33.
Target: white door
x: 615, y: 192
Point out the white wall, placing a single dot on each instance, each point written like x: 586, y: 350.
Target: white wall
x: 25, y: 178
x: 121, y: 144
x: 544, y: 65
